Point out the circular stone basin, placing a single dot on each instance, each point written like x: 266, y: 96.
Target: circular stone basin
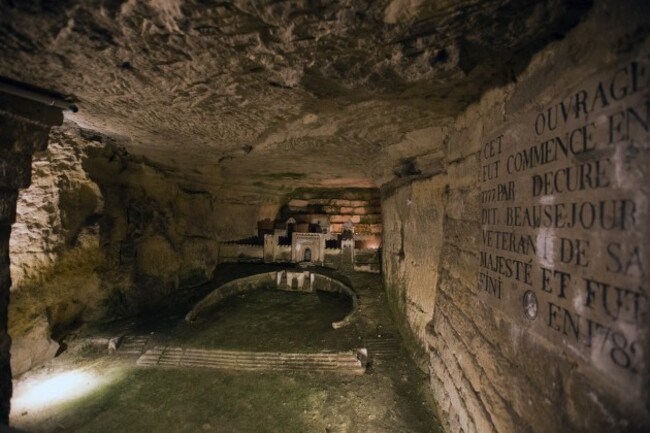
x: 286, y: 281
x: 270, y: 320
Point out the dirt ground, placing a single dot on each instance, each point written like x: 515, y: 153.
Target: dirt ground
x: 87, y: 390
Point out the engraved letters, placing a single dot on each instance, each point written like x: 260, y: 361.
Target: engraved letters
x: 564, y: 216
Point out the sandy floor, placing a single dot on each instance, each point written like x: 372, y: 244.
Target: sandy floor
x: 113, y: 395
x: 87, y: 390
x: 260, y: 321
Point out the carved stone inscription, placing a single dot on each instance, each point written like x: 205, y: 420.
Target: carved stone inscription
x: 564, y: 222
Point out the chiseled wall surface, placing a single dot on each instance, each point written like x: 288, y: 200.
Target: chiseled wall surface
x: 538, y: 326
x: 101, y: 233
x: 413, y: 221
x: 24, y: 128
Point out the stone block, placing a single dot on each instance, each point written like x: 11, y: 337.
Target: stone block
x: 359, y: 203
x: 455, y: 403
x: 464, y: 172
x: 449, y: 360
x: 467, y: 140
x: 368, y: 229
x: 470, y: 371
x: 336, y: 228
x: 462, y: 265
x: 338, y: 218
x: 297, y: 203
x: 464, y: 234
x: 463, y: 204
x: 479, y: 419
x: 320, y: 201
x: 438, y: 378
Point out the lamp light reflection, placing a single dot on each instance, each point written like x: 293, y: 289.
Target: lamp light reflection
x: 49, y: 390
x: 373, y: 245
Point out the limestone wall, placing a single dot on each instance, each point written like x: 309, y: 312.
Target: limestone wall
x: 334, y: 207
x: 102, y: 233
x: 561, y: 346
x: 160, y: 232
x: 56, y: 260
x: 24, y: 128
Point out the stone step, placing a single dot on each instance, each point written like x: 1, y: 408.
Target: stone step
x: 241, y: 360
x: 258, y: 366
x: 383, y: 347
x: 266, y: 359
x: 217, y: 363
x: 132, y: 345
x: 181, y: 358
x: 251, y: 361
x: 264, y: 355
x: 344, y: 362
x: 262, y: 367
x: 253, y: 355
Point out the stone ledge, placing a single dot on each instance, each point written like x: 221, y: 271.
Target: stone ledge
x: 36, y: 112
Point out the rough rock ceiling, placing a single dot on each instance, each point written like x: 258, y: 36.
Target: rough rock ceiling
x: 259, y: 96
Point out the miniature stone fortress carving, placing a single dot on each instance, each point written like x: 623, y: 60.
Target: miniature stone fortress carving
x: 336, y: 233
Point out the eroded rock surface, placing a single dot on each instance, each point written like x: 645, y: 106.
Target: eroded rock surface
x: 33, y: 348
x: 54, y: 250
x: 501, y: 359
x: 51, y: 213
x: 236, y: 93
x: 101, y: 232
x: 209, y: 116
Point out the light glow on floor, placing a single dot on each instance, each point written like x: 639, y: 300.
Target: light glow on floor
x: 51, y: 389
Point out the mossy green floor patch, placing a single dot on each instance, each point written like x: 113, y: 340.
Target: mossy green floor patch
x: 392, y: 397
x: 272, y: 321
x: 198, y: 400
x: 185, y: 401
x: 261, y: 320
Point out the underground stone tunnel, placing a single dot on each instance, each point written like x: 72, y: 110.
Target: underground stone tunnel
x: 324, y: 216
